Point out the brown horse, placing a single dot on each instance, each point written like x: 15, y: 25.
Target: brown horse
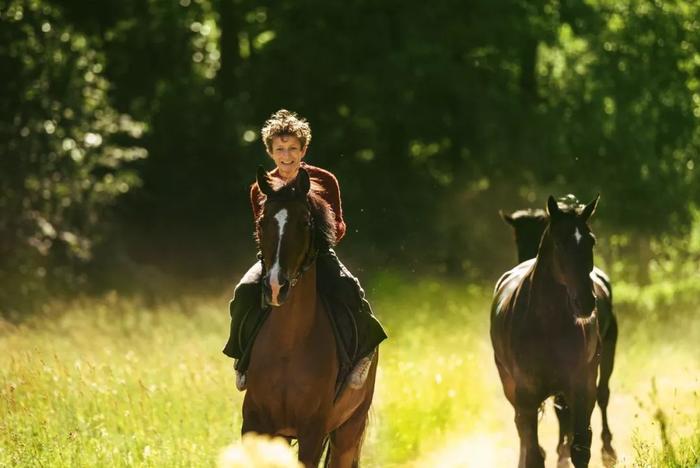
x: 544, y: 332
x: 292, y: 389
x: 528, y: 226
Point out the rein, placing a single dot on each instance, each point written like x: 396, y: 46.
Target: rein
x: 311, y: 253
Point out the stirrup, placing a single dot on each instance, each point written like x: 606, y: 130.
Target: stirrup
x: 241, y: 380
x: 359, y: 374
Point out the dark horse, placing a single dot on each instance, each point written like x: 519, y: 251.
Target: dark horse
x: 292, y: 389
x: 528, y: 226
x: 544, y: 332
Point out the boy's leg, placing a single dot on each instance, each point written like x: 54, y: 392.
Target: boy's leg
x: 246, y: 311
x: 346, y: 293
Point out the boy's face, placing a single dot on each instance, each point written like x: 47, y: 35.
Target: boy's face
x: 287, y: 153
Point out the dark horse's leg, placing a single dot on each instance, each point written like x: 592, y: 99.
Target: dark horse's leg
x: 565, y: 427
x: 607, y: 361
x: 526, y: 406
x: 583, y: 400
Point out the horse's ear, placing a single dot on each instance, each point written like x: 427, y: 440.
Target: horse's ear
x: 588, y: 211
x: 303, y: 181
x: 263, y: 180
x: 552, y: 208
x: 506, y: 217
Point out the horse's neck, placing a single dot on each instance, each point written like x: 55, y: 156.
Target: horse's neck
x: 546, y: 294
x: 297, y: 316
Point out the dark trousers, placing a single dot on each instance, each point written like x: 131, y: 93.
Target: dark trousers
x: 356, y: 329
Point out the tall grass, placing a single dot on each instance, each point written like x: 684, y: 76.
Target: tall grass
x: 117, y: 382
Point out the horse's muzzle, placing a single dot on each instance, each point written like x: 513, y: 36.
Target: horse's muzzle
x: 582, y: 305
x: 275, y: 292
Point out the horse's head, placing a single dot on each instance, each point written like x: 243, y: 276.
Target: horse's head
x: 528, y: 226
x: 294, y: 225
x: 285, y: 234
x: 569, y: 242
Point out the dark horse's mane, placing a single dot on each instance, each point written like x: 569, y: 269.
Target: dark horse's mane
x: 321, y: 212
x: 530, y: 213
x: 565, y: 204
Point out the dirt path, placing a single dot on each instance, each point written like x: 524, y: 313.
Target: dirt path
x: 631, y: 413
x: 499, y: 447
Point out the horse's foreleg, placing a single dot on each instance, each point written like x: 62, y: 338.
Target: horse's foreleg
x: 311, y: 443
x: 252, y: 421
x: 583, y: 401
x: 346, y: 441
x: 563, y: 411
x: 531, y: 454
x: 607, y: 361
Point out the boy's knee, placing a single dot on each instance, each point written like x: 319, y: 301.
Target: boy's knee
x: 246, y: 291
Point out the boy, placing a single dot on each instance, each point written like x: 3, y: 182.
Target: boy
x: 286, y: 137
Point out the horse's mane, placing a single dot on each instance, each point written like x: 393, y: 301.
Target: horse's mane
x: 567, y: 204
x: 321, y: 212
x: 530, y: 213
x: 570, y: 204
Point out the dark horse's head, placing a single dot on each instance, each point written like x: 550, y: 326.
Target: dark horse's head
x: 567, y: 246
x: 294, y: 224
x: 528, y: 226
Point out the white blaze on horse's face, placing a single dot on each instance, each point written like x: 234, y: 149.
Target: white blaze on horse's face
x: 577, y: 236
x: 275, y: 286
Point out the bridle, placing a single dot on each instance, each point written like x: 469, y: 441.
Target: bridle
x: 311, y: 252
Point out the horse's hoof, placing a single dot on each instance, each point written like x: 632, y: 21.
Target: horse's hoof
x: 609, y: 457
x: 564, y: 450
x: 359, y: 374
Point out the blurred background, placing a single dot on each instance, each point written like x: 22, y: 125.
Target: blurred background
x: 129, y: 131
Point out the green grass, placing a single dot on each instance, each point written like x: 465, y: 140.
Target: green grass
x: 116, y: 382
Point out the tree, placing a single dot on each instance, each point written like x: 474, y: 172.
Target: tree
x: 64, y: 152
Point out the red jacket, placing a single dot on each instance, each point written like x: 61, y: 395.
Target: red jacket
x: 331, y: 194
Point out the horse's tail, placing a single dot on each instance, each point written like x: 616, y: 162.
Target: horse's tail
x: 370, y: 416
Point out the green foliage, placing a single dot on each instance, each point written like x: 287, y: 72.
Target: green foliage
x: 669, y: 265
x: 619, y: 87
x: 63, y: 150
x: 432, y: 115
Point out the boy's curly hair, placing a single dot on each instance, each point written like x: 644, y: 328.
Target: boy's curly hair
x: 284, y: 122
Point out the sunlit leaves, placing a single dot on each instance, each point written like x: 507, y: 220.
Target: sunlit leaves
x: 62, y: 146
x: 206, y: 55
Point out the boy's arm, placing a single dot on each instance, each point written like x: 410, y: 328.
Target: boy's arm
x: 337, y: 205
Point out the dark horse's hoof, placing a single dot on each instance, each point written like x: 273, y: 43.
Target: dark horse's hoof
x: 609, y: 456
x: 580, y: 455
